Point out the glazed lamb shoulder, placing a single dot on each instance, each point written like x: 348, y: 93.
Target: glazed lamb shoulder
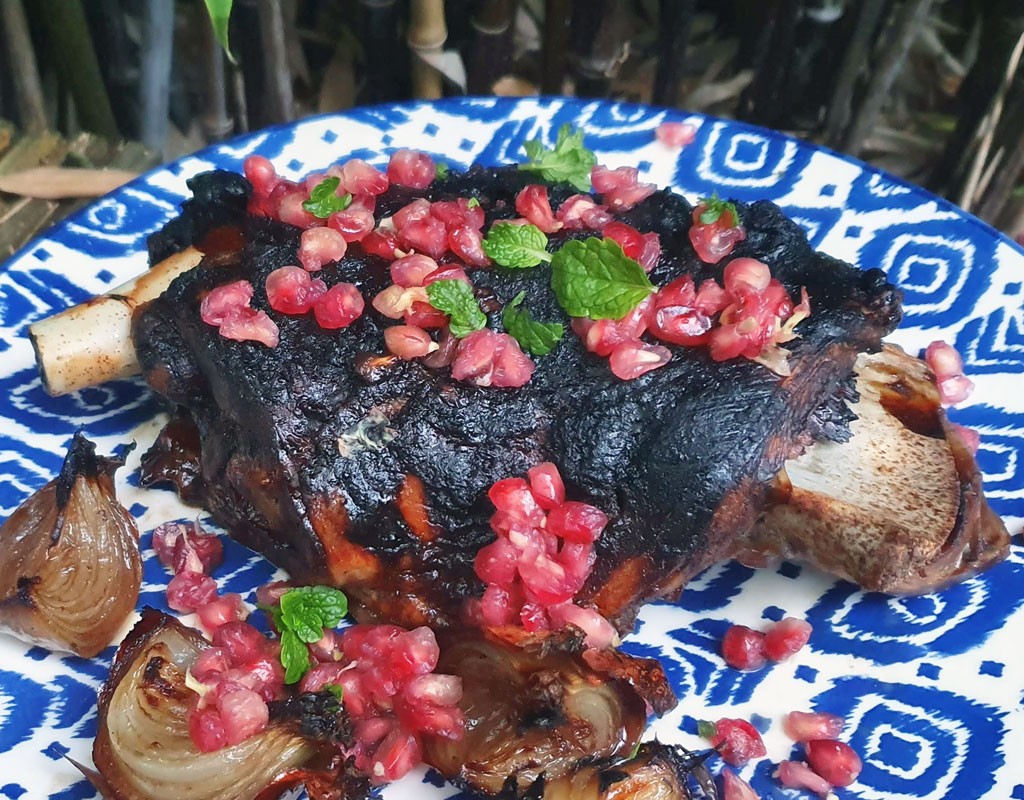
x: 344, y: 465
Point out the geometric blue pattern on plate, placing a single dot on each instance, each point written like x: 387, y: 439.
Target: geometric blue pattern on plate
x: 932, y: 687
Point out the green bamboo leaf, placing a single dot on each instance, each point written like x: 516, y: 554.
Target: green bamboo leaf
x: 220, y: 15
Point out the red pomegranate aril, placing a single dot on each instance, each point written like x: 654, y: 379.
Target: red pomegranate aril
x: 630, y: 360
x: 291, y: 291
x: 969, y: 436
x: 165, y: 537
x: 514, y: 497
x: 198, y: 552
x: 580, y: 212
x: 743, y: 648
x: 714, y: 241
x: 576, y: 522
x: 735, y: 788
x: 249, y: 325
x: 188, y: 591
x: 269, y: 594
x: 393, y: 758
x: 222, y: 301
x: 358, y: 177
x: 676, y: 134
x: 329, y: 673
x: 418, y: 209
x: 353, y: 224
x: 496, y: 562
x: 209, y: 663
x: 395, y: 300
x: 834, y: 761
x: 803, y: 726
x: 221, y: 611
x: 599, y: 632
x: 260, y: 173
x: 327, y: 648
x: 943, y: 360
x: 785, y: 638
x: 955, y: 389
x: 446, y: 721
x: 626, y: 236
x: 746, y: 274
x: 411, y: 168
x: 381, y: 243
x: 497, y: 606
x: 604, y: 335
x: 467, y: 243
x: 421, y: 314
x: 291, y: 210
x: 512, y: 367
x: 486, y: 358
x: 448, y: 272
x: 797, y: 775
x: 459, y: 212
x: 532, y: 202
x: 339, y: 307
x: 533, y: 617
x: 241, y: 641
x: 243, y: 713
x: 444, y: 690
x: 620, y: 188
x: 412, y: 270
x: 546, y: 485
x: 206, y: 730
x: 737, y: 741
x: 426, y: 235
x: 408, y: 342
x: 268, y: 675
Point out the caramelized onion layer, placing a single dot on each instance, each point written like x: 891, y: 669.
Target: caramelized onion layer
x: 70, y: 568
x: 143, y: 750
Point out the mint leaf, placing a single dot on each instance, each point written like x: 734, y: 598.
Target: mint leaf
x: 324, y: 200
x: 441, y: 171
x: 308, y: 610
x: 595, y: 279
x: 294, y: 657
x: 473, y: 203
x: 568, y: 162
x: 706, y: 730
x: 335, y: 689
x: 516, y: 246
x: 539, y: 338
x: 455, y: 298
x: 714, y: 208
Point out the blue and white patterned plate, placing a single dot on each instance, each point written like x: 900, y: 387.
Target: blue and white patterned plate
x: 931, y: 686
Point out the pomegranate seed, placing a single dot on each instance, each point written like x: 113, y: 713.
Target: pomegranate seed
x: 411, y: 168
x: 581, y: 212
x: 630, y: 360
x: 221, y: 301
x: 291, y: 291
x: 743, y: 648
x: 319, y: 246
x: 412, y: 270
x: 339, y: 307
x: 533, y: 617
x: 955, y: 389
x: 458, y: 213
x: 394, y: 301
x: 241, y: 641
x: 746, y: 274
x: 261, y: 174
x: 353, y: 224
x: 249, y: 325
x: 737, y: 741
x: 358, y: 177
x: 627, y: 237
x: 620, y: 188
x: 514, y: 498
x: 243, y: 713
x: 599, y: 632
x: 188, y: 591
x: 713, y: 242
x: 943, y: 360
x: 319, y: 676
x: 447, y: 273
x: 603, y: 336
x: 486, y: 358
x: 532, y: 202
x: 418, y: 209
x: 546, y: 485
x: 735, y: 788
x: 381, y: 243
x: 785, y: 638
x: 676, y: 134
x: 797, y: 775
x: 291, y: 210
x: 576, y: 522
x: 467, y: 243
x: 496, y: 562
x: 969, y: 436
x: 421, y: 314
x: 496, y: 606
x: 209, y: 663
x: 206, y: 730
x: 426, y: 235
x: 408, y: 342
x: 197, y: 552
x: 834, y: 761
x: 270, y: 593
x: 802, y: 726
x: 221, y: 611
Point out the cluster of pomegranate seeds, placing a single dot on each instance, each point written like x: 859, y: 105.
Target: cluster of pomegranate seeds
x: 716, y: 230
x: 681, y: 314
x: 620, y: 188
x: 945, y: 362
x: 291, y: 290
x: 533, y: 204
x: 644, y: 248
x: 747, y: 649
x: 433, y: 229
x: 227, y: 309
x: 676, y: 134
x: 235, y: 679
x: 542, y: 557
x: 391, y: 693
x: 736, y: 740
x: 628, y: 355
x: 582, y: 212
x: 488, y: 358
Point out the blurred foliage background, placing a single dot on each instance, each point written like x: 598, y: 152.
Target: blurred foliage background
x: 929, y: 89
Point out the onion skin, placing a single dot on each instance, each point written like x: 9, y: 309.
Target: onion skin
x: 534, y: 707
x: 70, y: 568
x: 143, y: 750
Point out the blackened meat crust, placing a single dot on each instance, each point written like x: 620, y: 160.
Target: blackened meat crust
x: 679, y: 458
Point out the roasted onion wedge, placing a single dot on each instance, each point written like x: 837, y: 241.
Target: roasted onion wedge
x: 70, y: 569
x: 143, y: 750
x: 533, y: 708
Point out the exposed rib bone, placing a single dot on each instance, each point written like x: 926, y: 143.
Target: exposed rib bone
x: 90, y: 343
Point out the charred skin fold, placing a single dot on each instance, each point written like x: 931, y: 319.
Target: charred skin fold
x: 680, y: 459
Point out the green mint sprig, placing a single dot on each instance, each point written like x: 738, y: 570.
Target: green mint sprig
x: 324, y: 200
x: 455, y: 298
x: 567, y: 162
x: 706, y: 729
x: 441, y: 171
x: 538, y: 338
x: 714, y: 207
x: 594, y: 278
x: 300, y: 619
x: 516, y: 246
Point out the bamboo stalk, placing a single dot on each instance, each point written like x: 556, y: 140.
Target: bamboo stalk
x: 555, y: 48
x: 155, y: 79
x: 426, y: 36
x: 492, y: 44
x: 216, y: 122
x: 673, y: 31
x: 278, y: 74
x: 28, y: 90
x: 71, y: 48
x: 91, y: 343
x: 905, y: 28
x: 386, y: 62
x: 601, y: 32
x: 855, y: 59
